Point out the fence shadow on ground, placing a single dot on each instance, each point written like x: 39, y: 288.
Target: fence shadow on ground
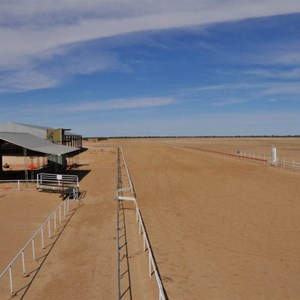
x: 124, y: 272
x: 30, y: 276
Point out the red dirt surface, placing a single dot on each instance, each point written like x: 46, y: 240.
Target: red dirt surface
x: 220, y: 228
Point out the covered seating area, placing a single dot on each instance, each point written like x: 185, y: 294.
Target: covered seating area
x: 26, y: 145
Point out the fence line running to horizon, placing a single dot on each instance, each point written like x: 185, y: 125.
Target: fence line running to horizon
x: 288, y: 165
x: 267, y: 160
x: 153, y: 269
x: 50, y: 224
x: 279, y: 163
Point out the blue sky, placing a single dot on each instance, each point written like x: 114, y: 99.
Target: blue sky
x: 119, y: 68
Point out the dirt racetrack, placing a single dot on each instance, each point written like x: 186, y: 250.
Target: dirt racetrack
x: 220, y: 228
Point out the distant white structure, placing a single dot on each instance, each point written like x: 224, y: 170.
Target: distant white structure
x: 274, y: 156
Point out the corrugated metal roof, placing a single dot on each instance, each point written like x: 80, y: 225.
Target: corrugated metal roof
x: 34, y: 143
x: 32, y: 126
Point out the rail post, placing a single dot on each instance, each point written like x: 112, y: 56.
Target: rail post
x: 11, y: 281
x: 33, y: 250
x: 49, y: 228
x: 23, y: 263
x: 150, y: 267
x: 42, y: 238
x: 59, y: 213
x: 54, y: 218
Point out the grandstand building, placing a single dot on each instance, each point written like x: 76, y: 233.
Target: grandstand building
x: 26, y: 140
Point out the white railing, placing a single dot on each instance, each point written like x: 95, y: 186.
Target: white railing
x: 147, y: 246
x: 142, y: 229
x: 56, y: 181
x: 43, y: 181
x: 254, y: 157
x: 288, y: 165
x: 17, y: 185
x: 50, y: 223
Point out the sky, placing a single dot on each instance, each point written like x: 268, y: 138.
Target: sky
x: 140, y: 67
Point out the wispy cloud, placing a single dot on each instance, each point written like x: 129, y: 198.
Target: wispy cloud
x: 52, y: 69
x: 261, y: 87
x: 34, y: 34
x: 278, y: 74
x: 96, y: 106
x: 120, y: 104
x: 228, y: 102
x: 26, y: 80
x: 283, y: 89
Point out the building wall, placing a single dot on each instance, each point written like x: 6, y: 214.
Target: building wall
x: 55, y: 135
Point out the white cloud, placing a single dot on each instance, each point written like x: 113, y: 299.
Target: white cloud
x: 26, y: 80
x: 119, y: 104
x: 60, y: 66
x: 121, y: 17
x: 288, y: 74
x: 93, y: 106
x: 283, y: 89
x: 259, y: 88
x: 228, y: 102
x: 33, y: 30
x: 286, y: 56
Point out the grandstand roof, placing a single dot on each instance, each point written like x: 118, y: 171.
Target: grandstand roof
x: 34, y: 143
x: 32, y: 126
x: 40, y: 131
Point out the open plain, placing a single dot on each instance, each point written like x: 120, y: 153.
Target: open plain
x: 220, y: 228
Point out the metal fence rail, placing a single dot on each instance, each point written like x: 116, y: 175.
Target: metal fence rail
x: 56, y: 181
x: 17, y: 185
x: 153, y: 269
x: 44, y: 181
x: 253, y: 157
x: 280, y: 163
x: 51, y: 223
x: 288, y: 165
x: 118, y: 223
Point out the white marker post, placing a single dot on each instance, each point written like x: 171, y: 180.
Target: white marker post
x: 274, y: 156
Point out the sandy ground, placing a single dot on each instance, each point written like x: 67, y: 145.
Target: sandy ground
x: 287, y: 148
x: 220, y: 228
x: 21, y: 215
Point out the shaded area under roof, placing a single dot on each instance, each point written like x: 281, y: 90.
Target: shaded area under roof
x: 31, y: 142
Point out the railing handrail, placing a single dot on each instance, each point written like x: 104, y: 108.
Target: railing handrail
x: 154, y: 266
x: 29, y: 241
x: 128, y: 174
x: 54, y: 175
x: 290, y: 165
x: 57, y: 178
x: 18, y: 180
x: 152, y: 262
x: 118, y: 223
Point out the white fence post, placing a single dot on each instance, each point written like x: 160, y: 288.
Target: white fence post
x: 30, y: 243
x: 42, y: 237
x: 49, y: 229
x: 11, y: 281
x: 33, y: 249
x: 23, y: 263
x: 54, y: 217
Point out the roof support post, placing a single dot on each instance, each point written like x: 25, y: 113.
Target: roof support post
x: 1, y: 161
x: 25, y: 164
